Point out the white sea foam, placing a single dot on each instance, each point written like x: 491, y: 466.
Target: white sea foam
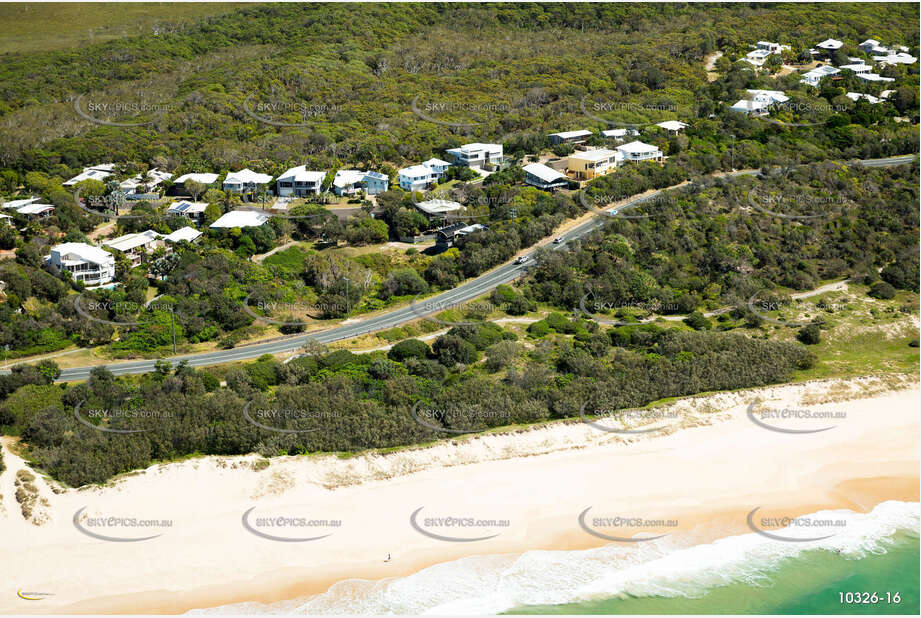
x: 667, y: 567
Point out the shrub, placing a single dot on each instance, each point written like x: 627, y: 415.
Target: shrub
x: 882, y: 290
x: 810, y: 334
x: 410, y: 348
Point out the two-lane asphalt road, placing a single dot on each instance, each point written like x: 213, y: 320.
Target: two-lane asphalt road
x: 435, y: 304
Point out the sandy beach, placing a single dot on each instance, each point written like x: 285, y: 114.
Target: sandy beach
x: 703, y: 469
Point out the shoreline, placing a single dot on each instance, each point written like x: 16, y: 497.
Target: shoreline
x: 539, y: 479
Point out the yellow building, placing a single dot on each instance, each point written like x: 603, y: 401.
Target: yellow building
x: 590, y: 164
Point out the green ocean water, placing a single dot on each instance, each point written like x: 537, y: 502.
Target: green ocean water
x: 806, y: 584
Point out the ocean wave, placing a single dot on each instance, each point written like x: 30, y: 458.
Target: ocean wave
x: 667, y: 567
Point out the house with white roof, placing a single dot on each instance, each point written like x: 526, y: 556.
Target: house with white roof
x: 86, y: 263
x: 447, y: 236
x: 570, y: 137
x: 417, y: 177
x: 638, y: 151
x: 873, y: 77
x: 813, y: 77
x: 347, y: 182
x: 544, y: 177
x: 830, y: 45
x: 144, y: 183
x: 36, y: 210
x: 439, y: 166
x: 136, y: 246
x: 201, y: 178
x: 477, y: 155
x: 240, y: 218
x: 299, y: 182
x: 856, y: 96
x: 760, y: 103
x: 872, y: 46
x: 246, y: 180
x: 437, y: 207
x: 895, y: 58
x: 97, y: 172
x: 763, y: 49
x: 588, y: 164
x: 620, y: 133
x: 17, y: 204
x: 672, y: 126
x: 857, y: 67
x: 193, y: 210
x: 187, y: 234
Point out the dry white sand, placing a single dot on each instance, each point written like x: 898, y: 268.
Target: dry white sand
x: 707, y: 469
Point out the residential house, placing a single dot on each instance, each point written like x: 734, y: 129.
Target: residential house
x: 760, y: 103
x: 86, y: 263
x: 417, y: 177
x: 830, y: 45
x: 813, y: 77
x: 187, y: 234
x: 857, y: 67
x: 144, y: 183
x: 544, y: 177
x: 202, y: 178
x: 638, y: 151
x: 873, y: 77
x: 672, y: 126
x: 764, y: 49
x: 856, y: 96
x: 446, y: 237
x: 894, y: 57
x: 438, y: 208
x: 193, y: 210
x: 588, y: 164
x: 437, y: 165
x: 477, y: 155
x: 570, y: 137
x: 348, y: 182
x: 136, y: 246
x: 620, y: 133
x: 246, y: 180
x: 872, y: 46
x: 36, y: 211
x: 96, y: 172
x: 17, y: 204
x: 299, y: 182
x: 240, y: 218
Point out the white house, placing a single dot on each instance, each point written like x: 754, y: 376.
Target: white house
x: 17, y: 204
x: 246, y: 180
x: 434, y: 208
x: 873, y: 77
x: 830, y: 45
x: 544, y: 177
x: 97, y: 172
x: 872, y: 46
x: 760, y: 103
x: 35, y: 210
x: 672, y: 126
x: 895, y: 58
x: 477, y: 155
x: 764, y: 49
x: 193, y: 210
x: 857, y: 67
x: 203, y: 178
x: 620, y: 133
x: 145, y: 182
x: 84, y: 262
x: 437, y: 165
x: 856, y: 96
x: 135, y: 246
x: 299, y: 182
x: 638, y: 151
x: 417, y: 177
x: 570, y: 137
x: 188, y: 234
x: 240, y: 218
x: 813, y: 77
x: 347, y: 182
